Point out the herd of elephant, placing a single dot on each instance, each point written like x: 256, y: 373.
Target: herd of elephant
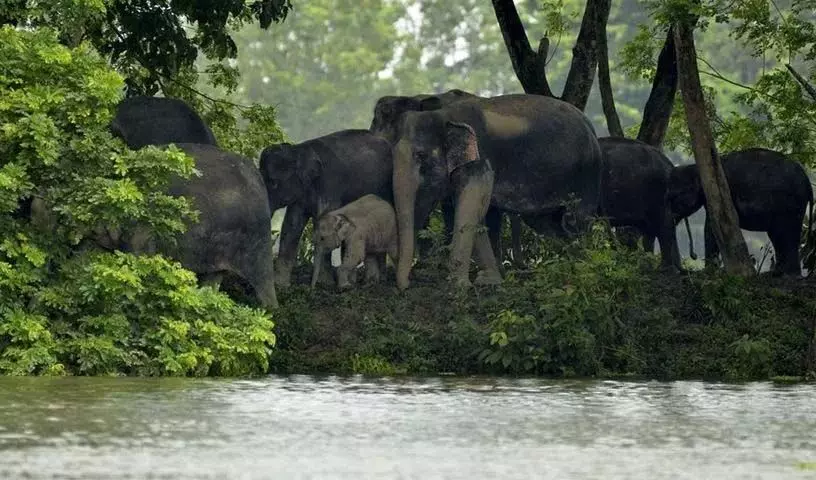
x: 535, y: 158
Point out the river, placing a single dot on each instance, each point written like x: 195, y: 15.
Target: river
x: 303, y: 427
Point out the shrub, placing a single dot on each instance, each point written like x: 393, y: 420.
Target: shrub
x: 63, y: 180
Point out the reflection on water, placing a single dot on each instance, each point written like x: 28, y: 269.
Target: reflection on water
x: 307, y: 427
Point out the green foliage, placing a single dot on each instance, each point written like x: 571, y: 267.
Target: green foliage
x: 567, y: 310
x: 148, y: 41
x: 66, y: 309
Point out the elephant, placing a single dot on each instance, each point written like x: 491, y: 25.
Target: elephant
x: 528, y: 154
x: 770, y: 193
x: 231, y: 236
x: 320, y: 175
x: 367, y: 228
x: 141, y: 121
x: 634, y: 189
x: 385, y: 122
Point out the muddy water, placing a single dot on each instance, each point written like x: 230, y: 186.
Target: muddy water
x: 356, y: 428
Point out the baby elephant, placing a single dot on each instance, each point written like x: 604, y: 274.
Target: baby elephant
x: 367, y: 230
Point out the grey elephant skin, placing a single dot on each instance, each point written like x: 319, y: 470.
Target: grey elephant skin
x: 770, y: 193
x: 140, y: 121
x: 544, y: 155
x: 320, y: 175
x: 367, y: 229
x: 634, y: 194
x: 233, y: 232
x: 388, y: 112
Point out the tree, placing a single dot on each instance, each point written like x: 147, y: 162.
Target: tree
x: 530, y: 66
x: 148, y: 40
x: 321, y: 68
x: 721, y: 214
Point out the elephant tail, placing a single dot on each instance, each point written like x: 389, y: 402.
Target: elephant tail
x: 691, y: 240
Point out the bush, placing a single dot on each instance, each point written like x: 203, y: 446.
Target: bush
x: 64, y: 180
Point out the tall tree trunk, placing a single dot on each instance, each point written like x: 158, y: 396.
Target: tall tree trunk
x: 659, y: 106
x: 605, y: 82
x: 719, y: 206
x: 530, y: 65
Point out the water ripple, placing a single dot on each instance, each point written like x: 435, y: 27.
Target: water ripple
x: 356, y: 427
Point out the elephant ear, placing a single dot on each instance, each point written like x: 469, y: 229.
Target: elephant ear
x: 460, y: 144
x: 343, y: 226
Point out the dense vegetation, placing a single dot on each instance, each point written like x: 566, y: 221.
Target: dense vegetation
x: 69, y: 309
x: 587, y: 308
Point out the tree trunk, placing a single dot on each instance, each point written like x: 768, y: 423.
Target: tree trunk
x: 581, y: 74
x: 659, y: 106
x: 530, y: 66
x: 605, y: 82
x: 719, y: 207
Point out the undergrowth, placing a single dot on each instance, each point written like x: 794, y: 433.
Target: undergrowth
x: 589, y: 308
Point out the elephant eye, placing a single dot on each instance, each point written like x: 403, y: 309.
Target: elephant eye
x: 421, y: 156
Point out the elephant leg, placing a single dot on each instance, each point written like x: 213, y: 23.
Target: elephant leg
x: 785, y: 242
x: 326, y: 273
x: 712, y: 250
x: 667, y: 237
x: 473, y: 200
x: 293, y: 224
x: 488, y: 274
x: 493, y: 222
x: 353, y: 254
x: 372, y: 267
x: 515, y: 238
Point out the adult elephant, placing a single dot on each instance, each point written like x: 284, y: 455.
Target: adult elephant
x: 232, y: 234
x: 387, y: 114
x: 320, y: 175
x: 545, y: 159
x: 634, y: 190
x: 141, y: 121
x: 770, y: 193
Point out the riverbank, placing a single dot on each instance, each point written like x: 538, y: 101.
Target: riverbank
x: 589, y: 313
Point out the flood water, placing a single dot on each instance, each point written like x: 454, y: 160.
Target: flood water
x: 355, y: 428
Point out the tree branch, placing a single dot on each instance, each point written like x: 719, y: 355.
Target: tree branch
x: 799, y: 78
x: 659, y: 106
x: 581, y: 74
x: 605, y: 83
x: 529, y: 65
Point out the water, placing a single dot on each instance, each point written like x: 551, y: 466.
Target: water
x: 354, y: 428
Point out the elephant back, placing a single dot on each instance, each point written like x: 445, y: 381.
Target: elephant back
x: 140, y: 121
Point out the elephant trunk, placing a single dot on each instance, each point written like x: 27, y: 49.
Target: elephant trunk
x: 318, y: 261
x: 691, y: 240
x: 405, y: 187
